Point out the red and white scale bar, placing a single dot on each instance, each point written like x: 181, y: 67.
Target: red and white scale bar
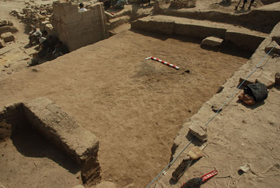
x: 163, y: 62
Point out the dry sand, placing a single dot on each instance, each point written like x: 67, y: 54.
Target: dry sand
x: 135, y: 107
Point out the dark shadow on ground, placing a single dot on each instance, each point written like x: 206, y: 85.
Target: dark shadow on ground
x: 31, y: 143
x: 232, y: 49
x: 162, y: 37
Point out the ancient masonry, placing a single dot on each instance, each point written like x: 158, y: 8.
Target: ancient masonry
x: 59, y: 128
x: 75, y: 29
x: 78, y: 29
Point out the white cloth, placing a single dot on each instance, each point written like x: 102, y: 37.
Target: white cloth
x: 82, y: 9
x: 42, y: 39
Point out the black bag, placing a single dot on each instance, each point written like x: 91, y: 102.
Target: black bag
x: 257, y: 90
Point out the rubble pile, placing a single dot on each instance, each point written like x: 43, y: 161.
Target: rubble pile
x: 7, y: 29
x: 177, y: 4
x: 38, y: 15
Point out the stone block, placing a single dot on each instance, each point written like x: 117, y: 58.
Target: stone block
x: 71, y: 18
x: 198, y: 31
x: 69, y: 8
x: 2, y: 43
x: 275, y: 33
x: 88, y: 14
x: 212, y: 41
x: 273, y: 47
x: 6, y: 23
x: 51, y: 31
x: 244, y: 40
x: 198, y: 131
x: 7, y: 37
x: 158, y: 26
x: 6, y: 29
x: 62, y: 130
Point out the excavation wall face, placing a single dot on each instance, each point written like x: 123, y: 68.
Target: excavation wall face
x: 78, y: 29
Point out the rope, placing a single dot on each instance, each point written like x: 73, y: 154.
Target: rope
x: 169, y: 164
x: 233, y: 93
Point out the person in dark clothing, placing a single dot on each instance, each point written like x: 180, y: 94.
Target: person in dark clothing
x: 60, y: 49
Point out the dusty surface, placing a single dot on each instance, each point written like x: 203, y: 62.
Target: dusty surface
x: 239, y: 134
x: 28, y: 160
x: 135, y: 107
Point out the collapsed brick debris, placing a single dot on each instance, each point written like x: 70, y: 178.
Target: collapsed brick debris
x: 38, y: 15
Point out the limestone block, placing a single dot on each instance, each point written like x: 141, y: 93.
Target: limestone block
x: 158, y: 26
x: 198, y: 31
x: 109, y: 15
x: 71, y: 18
x: 275, y: 33
x: 51, y: 31
x: 6, y: 22
x: 5, y: 29
x: 69, y: 8
x: 2, y: 43
x: 244, y: 40
x: 106, y: 184
x: 43, y: 24
x: 212, y: 41
x: 198, y: 131
x: 7, y: 37
x: 61, y: 129
x: 88, y: 14
x: 273, y: 47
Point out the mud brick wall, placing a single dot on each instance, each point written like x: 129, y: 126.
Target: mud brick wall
x: 78, y: 29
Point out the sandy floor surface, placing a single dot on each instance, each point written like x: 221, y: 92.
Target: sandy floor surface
x: 134, y: 106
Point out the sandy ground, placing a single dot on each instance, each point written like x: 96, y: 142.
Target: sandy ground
x: 135, y: 107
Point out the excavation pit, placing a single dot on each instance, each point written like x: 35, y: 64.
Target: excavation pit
x: 40, y: 129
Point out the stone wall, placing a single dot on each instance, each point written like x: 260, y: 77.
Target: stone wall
x: 59, y: 128
x: 78, y: 29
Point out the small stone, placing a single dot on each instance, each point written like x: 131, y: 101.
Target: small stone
x: 2, y: 43
x: 212, y: 41
x: 273, y: 47
x: 245, y: 168
x: 7, y: 65
x: 216, y: 108
x: 8, y: 37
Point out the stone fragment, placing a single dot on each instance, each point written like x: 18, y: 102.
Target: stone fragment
x: 275, y: 33
x: 7, y: 65
x: 273, y: 47
x: 2, y: 43
x: 5, y: 22
x: 5, y: 29
x: 8, y: 37
x: 198, y: 131
x: 212, y: 41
